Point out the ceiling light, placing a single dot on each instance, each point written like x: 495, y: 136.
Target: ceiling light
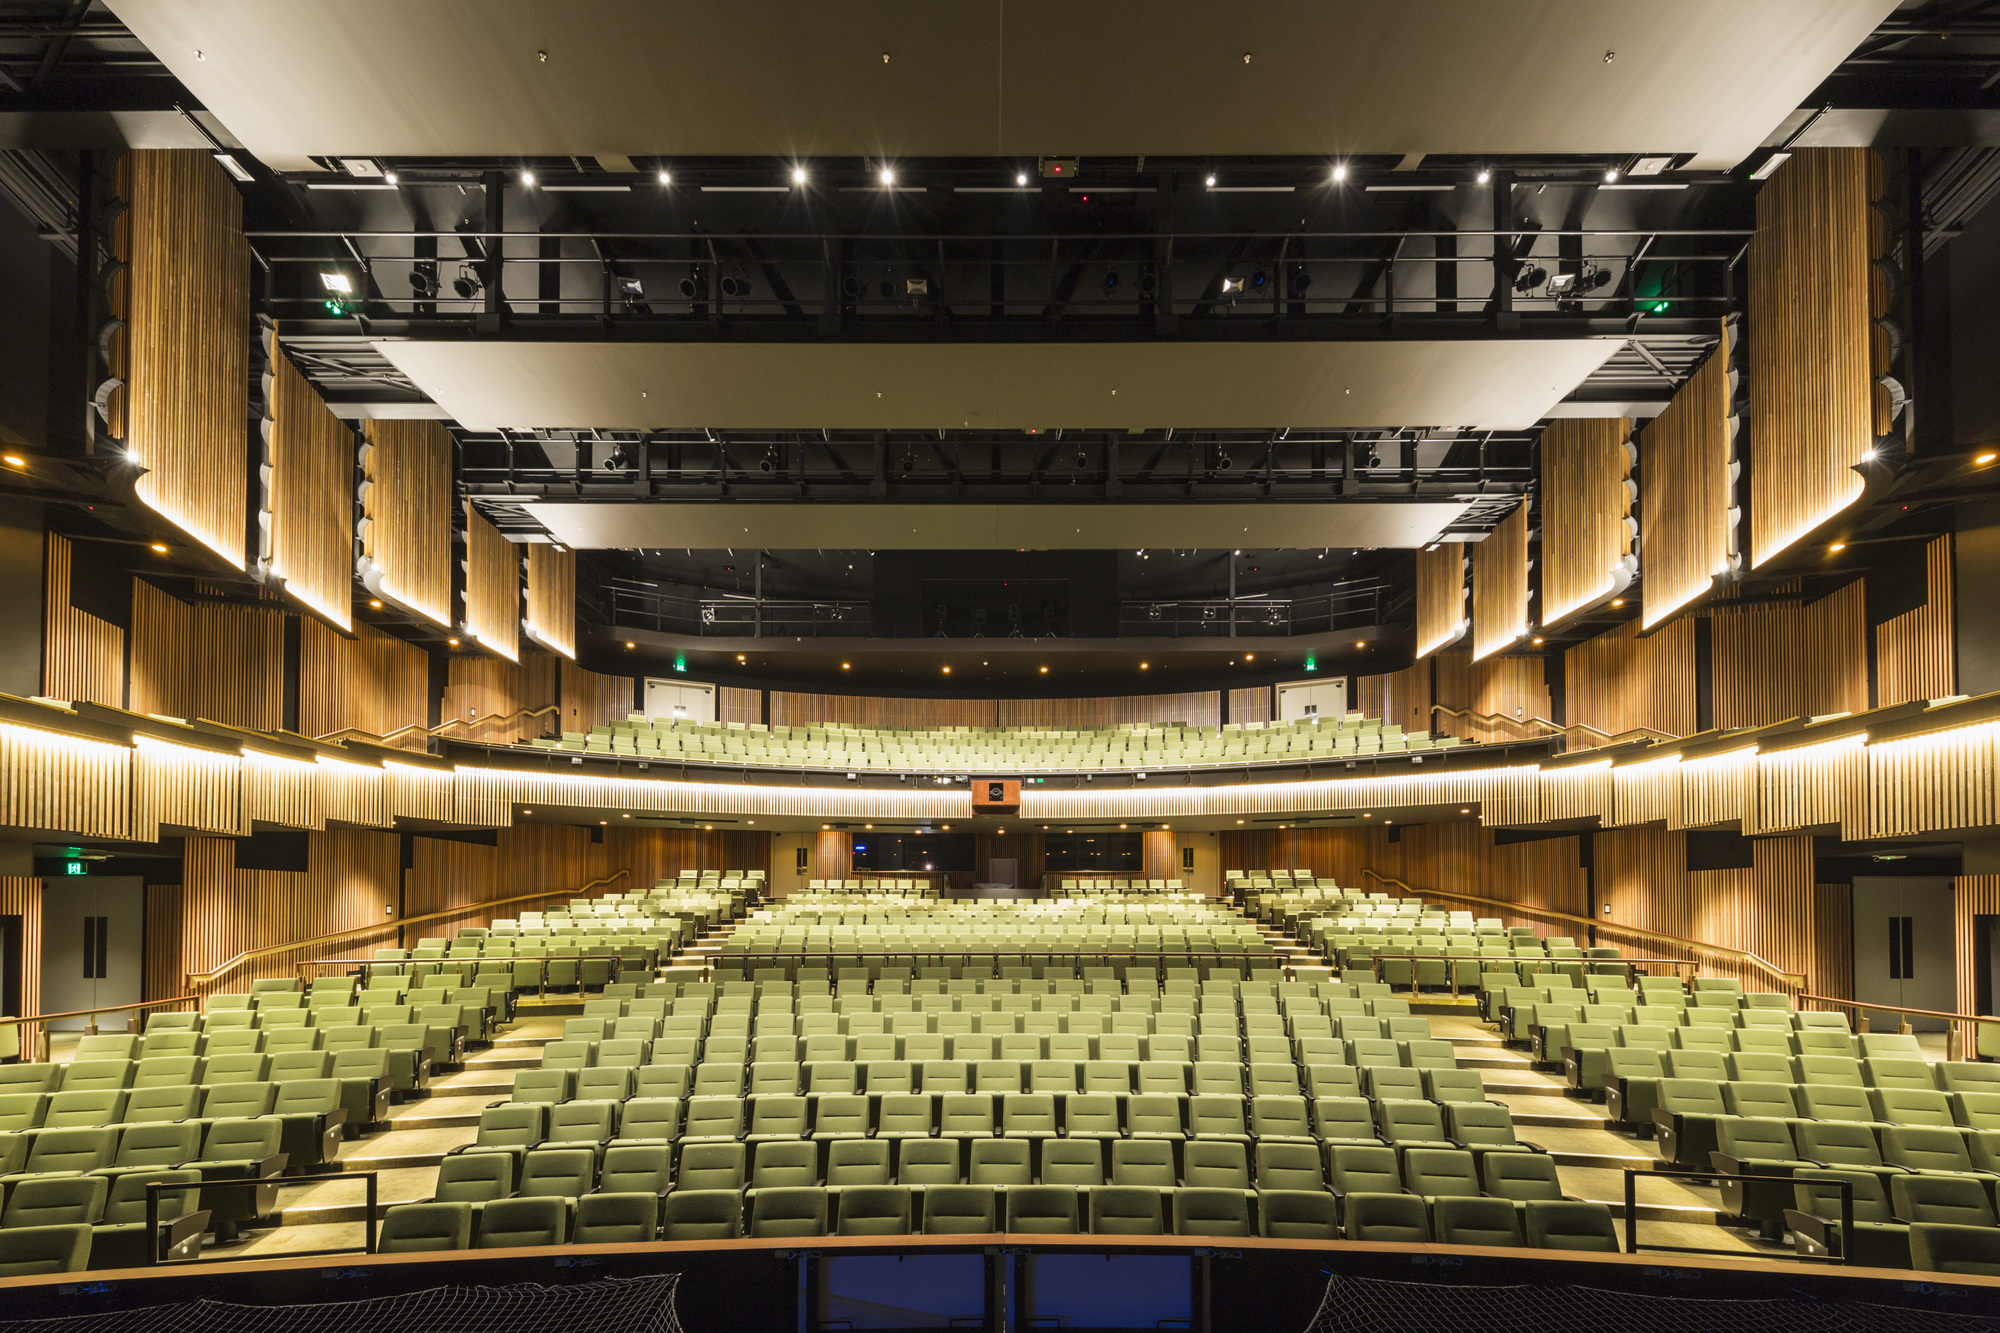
x: 1611, y: 176
x: 1249, y: 657
x: 843, y: 666
x: 161, y: 548
x: 1239, y: 821
x: 1984, y: 459
x: 528, y: 179
x: 1483, y: 176
x: 624, y: 816
x: 336, y: 282
x: 666, y: 178
x: 888, y: 175
x: 1537, y: 640
x: 1838, y: 546
x: 236, y: 169
x: 389, y: 177
x: 1020, y: 178
x: 374, y: 603
x: 1618, y: 601
x: 1144, y: 666
x: 1211, y: 180
x: 1360, y: 643
x: 798, y: 175
x: 631, y: 646
x: 1045, y: 671
x: 739, y: 657
x: 452, y: 642
x: 1339, y: 174
x: 947, y: 671
x: 1465, y: 812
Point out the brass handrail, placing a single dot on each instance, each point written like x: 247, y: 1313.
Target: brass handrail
x: 206, y: 978
x: 1954, y: 1044
x: 40, y: 1035
x: 1556, y: 728
x: 1770, y: 969
x: 440, y: 729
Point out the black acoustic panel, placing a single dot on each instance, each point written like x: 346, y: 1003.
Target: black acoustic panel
x: 1717, y: 851
x: 273, y: 851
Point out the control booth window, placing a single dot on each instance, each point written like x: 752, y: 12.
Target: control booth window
x: 887, y: 853
x: 1107, y: 852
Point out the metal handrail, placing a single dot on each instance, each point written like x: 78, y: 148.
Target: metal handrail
x: 1955, y: 1038
x: 1797, y: 980
x: 419, y: 728
x: 195, y: 979
x: 41, y: 1034
x: 1589, y: 964
x: 1667, y: 1169
x: 1555, y: 728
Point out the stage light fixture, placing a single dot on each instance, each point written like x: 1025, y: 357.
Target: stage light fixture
x: 1110, y: 282
x: 1484, y: 177
x: 337, y: 282
x: 1231, y: 285
x: 1611, y: 176
x: 888, y: 175
x: 798, y: 175
x: 1259, y: 280
x: 1531, y: 277
x: 389, y: 178
x: 666, y: 178
x: 528, y: 179
x: 423, y: 284
x: 466, y: 284
x: 1562, y: 284
x: 1340, y: 173
x: 1211, y: 181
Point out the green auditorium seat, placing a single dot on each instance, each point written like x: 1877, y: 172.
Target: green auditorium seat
x: 516, y: 1222
x: 409, y: 1228
x: 29, y: 1251
x: 1570, y: 1224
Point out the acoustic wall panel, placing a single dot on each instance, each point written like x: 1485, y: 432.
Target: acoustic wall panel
x: 1915, y: 652
x: 1441, y: 618
x: 308, y: 507
x: 1586, y: 508
x: 1500, y: 586
x: 406, y: 516
x: 551, y: 598
x: 492, y: 587
x: 183, y: 354
x: 1812, y: 382
x: 83, y: 657
x: 1687, y: 488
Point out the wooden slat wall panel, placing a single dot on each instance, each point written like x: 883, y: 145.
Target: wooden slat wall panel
x: 184, y: 352
x: 1647, y: 793
x: 62, y: 783
x: 1833, y: 942
x: 1767, y: 910
x: 180, y: 787
x: 1778, y: 661
x: 478, y: 688
x: 1513, y: 689
x: 590, y: 699
x: 1027, y: 847
x: 1201, y: 709
x: 372, y: 684
x: 650, y: 855
x: 1718, y: 789
x: 310, y: 495
x: 281, y: 791
x: 551, y: 598
x: 220, y: 911
x: 1441, y: 618
x: 528, y: 859
x: 222, y: 663
x: 1462, y: 858
x: 1810, y: 787
x: 406, y: 545
x: 1500, y: 586
x: 1928, y: 783
x: 1916, y: 652
x: 492, y: 587
x: 833, y: 856
x: 23, y: 898
x: 1583, y: 792
x: 1160, y: 855
x: 1811, y: 382
x: 1399, y: 697
x: 1252, y: 704
x: 1685, y: 494
x: 83, y: 658
x: 354, y: 794
x: 1971, y: 896
x: 739, y: 705
x: 1584, y: 507
x: 1618, y: 682
x: 418, y: 793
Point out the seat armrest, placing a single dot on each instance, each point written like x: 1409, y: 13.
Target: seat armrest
x: 1735, y: 1166
x: 1663, y: 1118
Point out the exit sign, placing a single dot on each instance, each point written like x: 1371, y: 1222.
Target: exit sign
x: 73, y: 868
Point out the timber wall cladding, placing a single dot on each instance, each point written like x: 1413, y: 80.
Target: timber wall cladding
x: 54, y: 782
x: 1461, y: 858
x: 308, y: 495
x: 183, y: 354
x: 1915, y: 653
x: 83, y: 657
x: 1400, y: 698
x: 1251, y: 704
x: 1507, y: 696
x: 219, y: 911
x: 1782, y: 660
x: 1441, y: 616
x: 1687, y: 488
x: 735, y: 705
x: 551, y: 598
x: 1500, y: 586
x: 206, y: 660
x: 832, y: 856
x: 501, y: 702
x: 1972, y: 896
x: 1619, y: 682
x: 23, y: 898
x: 1586, y: 507
x: 371, y: 685
x: 1199, y: 709
x: 492, y: 587
x: 406, y: 516
x: 1812, y: 386
x: 590, y: 699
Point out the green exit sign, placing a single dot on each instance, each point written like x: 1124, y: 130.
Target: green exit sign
x: 680, y: 663
x: 1312, y: 664
x: 73, y: 868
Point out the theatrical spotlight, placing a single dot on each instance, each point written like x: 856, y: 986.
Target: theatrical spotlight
x: 1531, y: 277
x: 735, y: 287
x: 466, y: 284
x: 1110, y: 282
x: 423, y: 284
x: 1149, y: 284
x: 1260, y: 281
x: 1298, y: 282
